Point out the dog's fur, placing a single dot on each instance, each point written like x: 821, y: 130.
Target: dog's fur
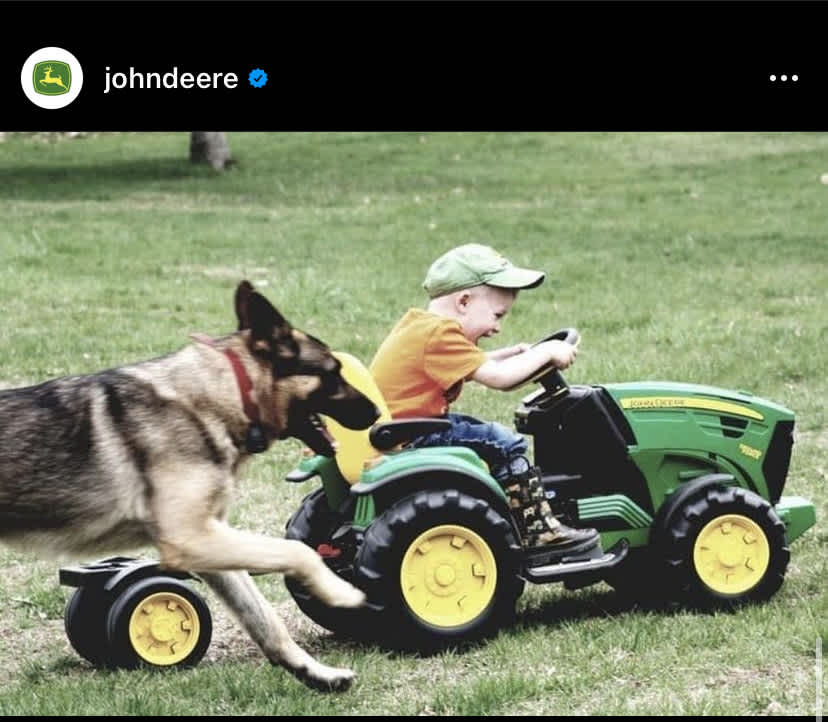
x: 148, y: 454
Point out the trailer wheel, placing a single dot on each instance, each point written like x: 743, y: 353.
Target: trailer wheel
x: 84, y: 619
x: 159, y: 622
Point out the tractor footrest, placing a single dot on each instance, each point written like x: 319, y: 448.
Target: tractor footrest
x: 568, y: 567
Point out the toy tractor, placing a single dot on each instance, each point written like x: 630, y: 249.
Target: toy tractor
x: 683, y: 482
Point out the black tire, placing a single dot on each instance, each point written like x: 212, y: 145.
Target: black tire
x: 158, y: 622
x: 84, y: 619
x: 439, y: 521
x: 725, y: 547
x: 313, y: 523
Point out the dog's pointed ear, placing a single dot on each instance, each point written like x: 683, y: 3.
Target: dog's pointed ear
x: 242, y: 299
x: 269, y: 330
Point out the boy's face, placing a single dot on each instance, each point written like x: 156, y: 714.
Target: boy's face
x: 482, y: 309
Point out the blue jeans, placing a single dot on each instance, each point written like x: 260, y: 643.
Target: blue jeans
x: 497, y: 445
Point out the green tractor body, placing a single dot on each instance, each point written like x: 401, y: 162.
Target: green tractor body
x: 631, y: 446
x: 684, y: 483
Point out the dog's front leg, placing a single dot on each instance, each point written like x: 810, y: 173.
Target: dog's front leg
x: 191, y: 536
x: 241, y: 595
x: 215, y: 546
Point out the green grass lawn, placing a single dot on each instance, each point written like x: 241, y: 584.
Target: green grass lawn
x: 698, y: 257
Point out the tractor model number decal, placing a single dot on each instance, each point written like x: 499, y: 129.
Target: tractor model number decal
x: 644, y: 403
x: 750, y: 451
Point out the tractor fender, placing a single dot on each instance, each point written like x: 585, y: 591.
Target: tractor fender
x: 423, y: 470
x: 666, y: 512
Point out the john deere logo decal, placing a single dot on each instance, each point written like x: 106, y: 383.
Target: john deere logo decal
x: 52, y: 77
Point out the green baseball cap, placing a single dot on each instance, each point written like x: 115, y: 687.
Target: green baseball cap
x: 474, y: 265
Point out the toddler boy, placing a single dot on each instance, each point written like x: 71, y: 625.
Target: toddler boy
x: 421, y: 367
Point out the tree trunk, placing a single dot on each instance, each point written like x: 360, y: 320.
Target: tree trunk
x: 210, y: 148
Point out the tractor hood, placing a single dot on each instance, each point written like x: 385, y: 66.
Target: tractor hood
x: 665, y: 395
x: 732, y: 432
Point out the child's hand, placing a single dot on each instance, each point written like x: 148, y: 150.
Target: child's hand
x: 562, y: 354
x: 508, y: 368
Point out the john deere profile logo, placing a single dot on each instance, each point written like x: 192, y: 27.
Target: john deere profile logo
x: 51, y: 78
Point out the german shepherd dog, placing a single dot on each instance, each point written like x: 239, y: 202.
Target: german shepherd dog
x: 148, y: 454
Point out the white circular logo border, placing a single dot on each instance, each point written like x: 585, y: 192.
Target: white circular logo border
x: 51, y: 102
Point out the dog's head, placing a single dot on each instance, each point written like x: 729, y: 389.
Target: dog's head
x: 307, y: 378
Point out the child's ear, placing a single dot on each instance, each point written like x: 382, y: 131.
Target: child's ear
x: 462, y: 300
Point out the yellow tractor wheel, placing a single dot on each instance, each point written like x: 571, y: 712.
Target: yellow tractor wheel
x: 440, y: 568
x: 448, y: 575
x: 731, y: 554
x: 726, y: 546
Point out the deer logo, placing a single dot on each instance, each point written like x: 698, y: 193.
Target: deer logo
x: 52, y: 77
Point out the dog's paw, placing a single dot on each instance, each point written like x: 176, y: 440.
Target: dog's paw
x: 326, y: 679
x: 350, y: 596
x: 330, y: 588
x: 339, y: 679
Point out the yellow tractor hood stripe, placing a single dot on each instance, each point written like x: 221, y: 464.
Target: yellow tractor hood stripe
x: 653, y: 403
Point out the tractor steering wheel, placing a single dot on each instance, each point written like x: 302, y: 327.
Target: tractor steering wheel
x: 548, y: 375
x: 569, y: 335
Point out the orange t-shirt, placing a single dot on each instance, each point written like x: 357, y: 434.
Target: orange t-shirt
x: 421, y: 365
